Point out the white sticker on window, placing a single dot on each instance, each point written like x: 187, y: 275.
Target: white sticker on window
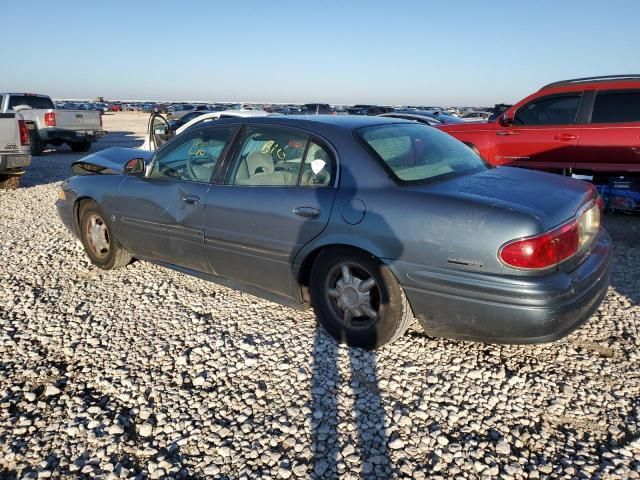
x: 317, y: 165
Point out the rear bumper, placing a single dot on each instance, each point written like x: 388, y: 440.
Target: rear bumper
x: 51, y: 134
x: 503, y: 309
x: 17, y: 161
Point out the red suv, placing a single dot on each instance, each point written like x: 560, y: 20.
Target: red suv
x: 586, y: 125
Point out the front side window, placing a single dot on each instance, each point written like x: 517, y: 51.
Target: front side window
x: 555, y: 110
x: 415, y: 153
x: 192, y: 158
x: 616, y: 107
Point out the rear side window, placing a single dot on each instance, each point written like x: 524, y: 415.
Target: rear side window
x: 32, y: 101
x: 414, y: 153
x: 555, y: 110
x: 616, y: 107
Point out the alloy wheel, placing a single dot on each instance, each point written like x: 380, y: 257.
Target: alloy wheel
x: 353, y: 294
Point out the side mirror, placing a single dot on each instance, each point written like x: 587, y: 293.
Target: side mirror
x: 135, y: 166
x: 506, y: 120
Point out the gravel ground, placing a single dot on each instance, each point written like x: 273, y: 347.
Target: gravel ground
x: 144, y: 372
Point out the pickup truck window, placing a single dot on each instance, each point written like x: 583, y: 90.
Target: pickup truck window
x: 553, y: 110
x: 616, y: 107
x: 33, y: 101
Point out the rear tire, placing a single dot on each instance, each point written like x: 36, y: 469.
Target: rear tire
x: 79, y: 147
x: 357, y: 299
x: 9, y: 182
x: 100, y: 243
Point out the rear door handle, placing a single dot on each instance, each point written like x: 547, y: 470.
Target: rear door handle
x: 307, y: 212
x: 564, y: 137
x: 191, y: 199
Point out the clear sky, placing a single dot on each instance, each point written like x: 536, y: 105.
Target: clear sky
x: 463, y: 52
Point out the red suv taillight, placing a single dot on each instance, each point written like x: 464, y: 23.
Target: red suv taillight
x: 24, y: 132
x: 552, y: 248
x: 50, y: 119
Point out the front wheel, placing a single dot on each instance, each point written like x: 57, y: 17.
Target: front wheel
x: 100, y: 243
x: 357, y: 299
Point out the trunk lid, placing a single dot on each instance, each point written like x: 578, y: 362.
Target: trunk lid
x: 551, y: 198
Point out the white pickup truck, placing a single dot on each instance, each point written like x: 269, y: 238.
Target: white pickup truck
x: 14, y: 149
x: 48, y: 126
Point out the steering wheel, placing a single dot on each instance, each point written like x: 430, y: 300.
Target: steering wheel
x: 190, y: 161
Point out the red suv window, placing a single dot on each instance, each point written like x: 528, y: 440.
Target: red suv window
x: 617, y: 106
x: 552, y: 110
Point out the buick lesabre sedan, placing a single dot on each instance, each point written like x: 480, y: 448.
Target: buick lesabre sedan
x: 372, y: 221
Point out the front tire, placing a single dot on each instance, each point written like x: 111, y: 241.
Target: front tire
x: 100, y: 243
x: 357, y: 299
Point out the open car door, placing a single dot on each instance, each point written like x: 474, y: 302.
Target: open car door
x: 158, y: 132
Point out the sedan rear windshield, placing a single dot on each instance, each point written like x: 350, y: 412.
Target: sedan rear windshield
x: 415, y: 153
x: 33, y: 101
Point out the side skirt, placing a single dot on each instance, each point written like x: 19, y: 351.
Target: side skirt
x: 235, y: 285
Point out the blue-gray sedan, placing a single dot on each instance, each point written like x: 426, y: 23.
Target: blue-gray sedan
x: 372, y: 221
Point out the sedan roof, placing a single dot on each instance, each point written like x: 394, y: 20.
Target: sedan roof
x: 348, y: 122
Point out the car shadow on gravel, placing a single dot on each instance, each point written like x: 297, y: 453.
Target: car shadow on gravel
x: 54, y: 165
x: 370, y: 446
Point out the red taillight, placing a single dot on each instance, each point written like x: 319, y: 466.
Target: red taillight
x: 50, y: 119
x: 543, y: 250
x: 24, y: 132
x: 600, y: 203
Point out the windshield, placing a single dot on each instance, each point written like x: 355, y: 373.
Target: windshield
x: 32, y: 101
x: 416, y: 153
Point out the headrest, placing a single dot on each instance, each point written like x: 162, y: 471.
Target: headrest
x: 258, y: 162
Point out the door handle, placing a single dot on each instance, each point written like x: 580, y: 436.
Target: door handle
x: 565, y: 137
x: 507, y: 132
x: 307, y: 212
x: 191, y: 200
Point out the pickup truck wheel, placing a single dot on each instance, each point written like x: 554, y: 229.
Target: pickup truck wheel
x: 357, y: 299
x: 100, y: 243
x: 80, y: 146
x: 35, y: 144
x: 9, y: 182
